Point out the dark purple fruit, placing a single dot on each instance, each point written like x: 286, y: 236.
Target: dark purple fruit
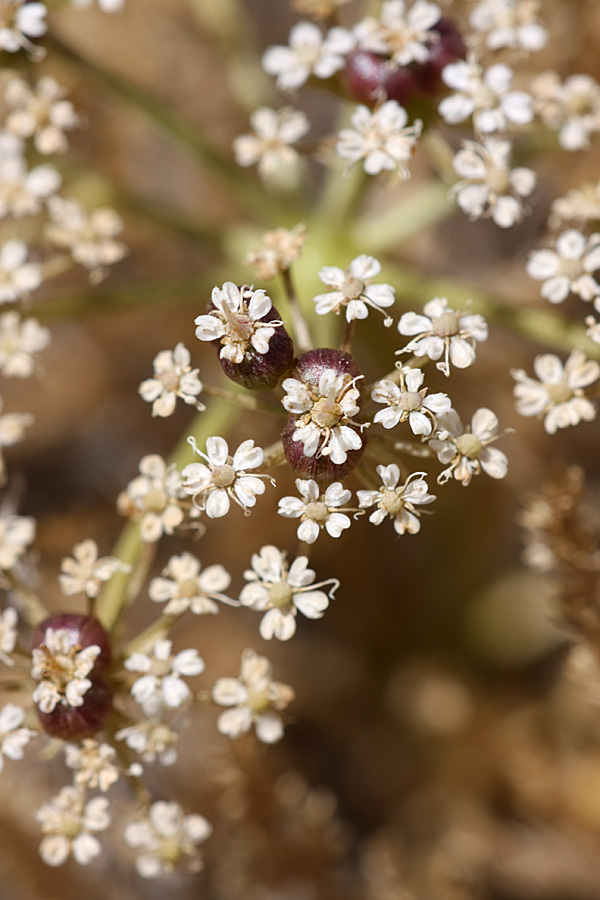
x: 447, y: 49
x: 371, y: 78
x: 73, y: 723
x: 262, y: 371
x: 85, y: 631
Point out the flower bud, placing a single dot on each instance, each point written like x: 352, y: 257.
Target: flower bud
x: 71, y: 653
x: 321, y: 439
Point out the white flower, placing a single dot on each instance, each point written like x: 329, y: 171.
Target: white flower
x: 8, y: 634
x: 409, y: 402
x: 443, y: 331
x: 84, y: 573
x: 404, y: 35
x: 173, y: 378
x: 184, y: 587
x: 382, y: 138
x: 489, y: 186
x: 20, y: 339
x: 20, y: 21
x: 224, y: 477
x: 236, y: 321
x: 41, y: 113
x: 509, y: 23
x: 108, y: 6
x: 279, y: 249
x: 270, y: 145
x: 153, y: 498
x: 13, y: 737
x: 466, y: 451
x: 397, y: 501
x: 22, y: 192
x: 12, y: 431
x: 255, y: 699
x: 593, y: 329
x: 568, y: 268
x: 280, y: 590
x: 90, y: 238
x: 17, y: 277
x: 62, y: 667
x: 67, y: 821
x: 485, y: 95
x: 324, y: 424
x: 93, y: 763
x: 581, y: 204
x: 559, y: 393
x: 161, y: 683
x: 317, y: 511
x: 16, y: 533
x: 352, y: 288
x: 572, y: 108
x: 308, y: 53
x: 166, y: 839
x: 152, y: 740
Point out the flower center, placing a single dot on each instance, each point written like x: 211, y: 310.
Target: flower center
x: 391, y: 502
x: 410, y: 401
x: 497, y: 180
x: 155, y: 500
x: 169, y: 850
x: 169, y: 380
x: 326, y: 412
x: 239, y: 326
x: 446, y: 325
x: 223, y: 476
x: 317, y: 511
x: 559, y: 393
x: 280, y: 594
x: 484, y: 97
x: 352, y: 287
x: 188, y: 588
x: 468, y: 445
x: 258, y: 701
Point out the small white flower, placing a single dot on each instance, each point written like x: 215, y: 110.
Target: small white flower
x: 224, y: 477
x: 571, y: 107
x: 409, y: 402
x: 382, y: 138
x: 184, y: 587
x: 68, y: 822
x: 90, y: 238
x: 13, y: 737
x: 270, y: 145
x: 93, y: 763
x: 173, y: 378
x: 279, y: 249
x: 8, y: 634
x: 403, y: 35
x: 485, y: 95
x: 254, y: 698
x: 108, y: 6
x: 466, y: 451
x: 17, y: 277
x: 353, y: 290
x: 579, y: 205
x: 280, y: 590
x: 316, y: 510
x: 509, y: 23
x: 236, y: 321
x: 16, y: 533
x: 18, y: 22
x: 62, y: 668
x: 397, y: 501
x: 166, y: 839
x: 23, y: 192
x: 568, y: 268
x: 85, y: 573
x: 489, y: 186
x: 309, y: 53
x: 153, y: 499
x: 443, y: 331
x: 161, y: 683
x: 41, y: 113
x: 593, y: 329
x: 20, y: 340
x: 559, y: 393
x: 152, y: 740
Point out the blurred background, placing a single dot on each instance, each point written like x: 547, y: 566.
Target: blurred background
x: 436, y: 750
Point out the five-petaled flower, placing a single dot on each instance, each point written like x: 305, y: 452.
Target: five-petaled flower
x: 382, y: 138
x: 408, y: 401
x: 223, y: 477
x: 317, y: 510
x: 183, y: 586
x: 161, y: 682
x: 280, y: 591
x: 62, y: 667
x: 166, y: 839
x: 398, y: 501
x: 466, y: 451
x: 173, y: 378
x: 271, y: 144
x: 443, y: 331
x: 485, y: 95
x: 236, y: 322
x: 403, y: 35
x: 309, y: 53
x: 559, y: 392
x: 568, y: 268
x: 352, y: 289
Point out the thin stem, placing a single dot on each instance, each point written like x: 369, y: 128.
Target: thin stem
x: 150, y: 635
x: 245, y: 400
x: 301, y: 329
x: 347, y: 337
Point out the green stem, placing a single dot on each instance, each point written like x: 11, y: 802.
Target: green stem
x: 246, y: 401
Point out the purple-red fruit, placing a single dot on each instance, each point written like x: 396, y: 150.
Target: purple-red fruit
x: 370, y: 77
x: 447, y: 49
x: 308, y: 370
x: 262, y: 371
x: 72, y: 723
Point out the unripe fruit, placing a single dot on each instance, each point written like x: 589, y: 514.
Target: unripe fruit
x: 262, y: 371
x: 73, y: 723
x: 84, y: 631
x: 328, y: 415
